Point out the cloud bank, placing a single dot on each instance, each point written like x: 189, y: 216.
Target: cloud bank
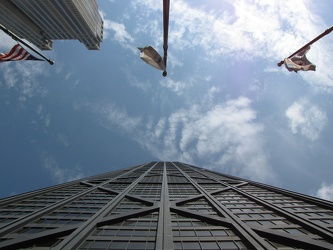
x: 60, y: 174
x: 307, y: 119
x: 325, y: 192
x: 224, y: 137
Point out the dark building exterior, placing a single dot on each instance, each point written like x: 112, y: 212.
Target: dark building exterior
x: 165, y: 205
x: 42, y: 21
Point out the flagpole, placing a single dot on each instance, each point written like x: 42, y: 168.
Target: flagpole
x: 166, y: 10
x: 326, y: 32
x: 16, y: 38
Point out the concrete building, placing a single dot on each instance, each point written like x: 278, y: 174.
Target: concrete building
x: 42, y: 21
x: 165, y: 205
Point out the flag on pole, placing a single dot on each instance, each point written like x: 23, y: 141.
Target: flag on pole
x: 17, y: 53
x: 151, y: 56
x: 299, y: 62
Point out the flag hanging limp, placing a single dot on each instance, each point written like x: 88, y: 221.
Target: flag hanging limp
x: 151, y: 56
x: 17, y: 53
x: 299, y: 62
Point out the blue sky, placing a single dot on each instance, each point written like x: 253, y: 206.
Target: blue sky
x: 225, y: 105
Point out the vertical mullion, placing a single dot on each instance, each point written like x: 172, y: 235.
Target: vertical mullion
x: 164, y: 230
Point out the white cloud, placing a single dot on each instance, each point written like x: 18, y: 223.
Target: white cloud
x: 45, y: 118
x: 325, y: 192
x: 59, y: 174
x: 6, y: 42
x: 23, y: 76
x: 62, y: 139
x: 225, y: 136
x: 120, y: 34
x: 175, y: 86
x: 112, y: 117
x: 306, y: 118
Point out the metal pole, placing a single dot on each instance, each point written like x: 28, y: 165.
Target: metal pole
x: 166, y: 10
x: 16, y: 38
x: 308, y: 44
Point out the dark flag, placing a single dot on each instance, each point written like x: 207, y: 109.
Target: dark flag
x: 299, y: 62
x: 151, y: 56
x: 17, y: 53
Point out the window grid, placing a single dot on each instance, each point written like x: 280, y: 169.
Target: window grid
x: 201, y: 206
x: 307, y: 211
x: 126, y: 179
x: 26, y: 206
x: 190, y: 233
x: 255, y: 214
x: 117, y: 186
x: 211, y: 186
x: 126, y: 206
x: 153, y: 179
x: 135, y: 233
x: 180, y: 191
x: 151, y: 191
x: 177, y: 179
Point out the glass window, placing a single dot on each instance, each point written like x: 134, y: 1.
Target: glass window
x: 136, y: 245
x: 240, y: 245
x: 318, y: 221
x: 227, y: 245
x: 118, y: 245
x: 230, y: 232
x: 191, y: 245
x: 147, y: 233
x: 294, y: 231
x: 86, y: 245
x: 253, y: 222
x: 187, y: 233
x: 33, y: 230
x: 219, y: 233
x: 329, y: 221
x: 198, y: 223
x: 100, y: 244
x: 150, y: 246
x: 203, y: 233
x: 175, y: 233
x: 177, y: 245
x: 125, y: 233
x: 266, y: 222
x: 244, y: 216
x: 185, y: 224
x: 279, y: 222
x: 209, y: 245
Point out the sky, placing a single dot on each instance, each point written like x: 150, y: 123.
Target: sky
x: 225, y: 104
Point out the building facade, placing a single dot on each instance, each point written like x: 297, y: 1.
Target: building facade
x: 42, y: 21
x: 165, y: 205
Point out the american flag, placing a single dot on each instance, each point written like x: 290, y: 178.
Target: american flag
x: 17, y: 53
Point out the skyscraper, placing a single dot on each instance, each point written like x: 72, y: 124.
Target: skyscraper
x: 42, y: 21
x: 165, y: 205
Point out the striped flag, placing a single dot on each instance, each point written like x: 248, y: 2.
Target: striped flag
x: 17, y: 53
